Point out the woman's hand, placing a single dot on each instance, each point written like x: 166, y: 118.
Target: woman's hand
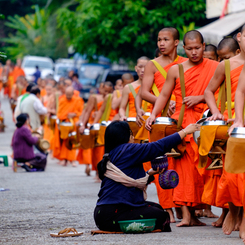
x: 191, y: 128
x: 153, y: 172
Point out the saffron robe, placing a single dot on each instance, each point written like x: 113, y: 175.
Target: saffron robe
x: 190, y: 188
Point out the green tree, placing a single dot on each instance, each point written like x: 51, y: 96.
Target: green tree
x: 36, y: 34
x: 124, y: 28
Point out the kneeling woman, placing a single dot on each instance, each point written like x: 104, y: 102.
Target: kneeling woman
x: 121, y: 196
x: 23, y: 142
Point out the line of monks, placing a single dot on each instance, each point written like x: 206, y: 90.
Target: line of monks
x: 159, y: 80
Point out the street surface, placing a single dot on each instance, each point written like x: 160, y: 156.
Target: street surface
x: 41, y: 203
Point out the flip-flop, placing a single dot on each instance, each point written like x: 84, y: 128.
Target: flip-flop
x: 67, y: 233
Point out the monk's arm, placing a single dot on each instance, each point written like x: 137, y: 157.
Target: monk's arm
x: 101, y: 111
x: 214, y: 84
x: 239, y: 98
x: 164, y: 95
x: 124, y: 102
x: 147, y: 83
x: 88, y: 109
x: 139, y: 111
x: 115, y: 102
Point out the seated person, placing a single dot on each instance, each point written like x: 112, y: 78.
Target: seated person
x: 117, y: 201
x: 23, y: 142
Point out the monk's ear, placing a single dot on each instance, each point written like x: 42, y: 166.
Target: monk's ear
x: 238, y: 51
x: 176, y: 42
x: 239, y: 34
x: 203, y: 45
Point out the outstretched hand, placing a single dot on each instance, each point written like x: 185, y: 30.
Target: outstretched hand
x: 153, y: 172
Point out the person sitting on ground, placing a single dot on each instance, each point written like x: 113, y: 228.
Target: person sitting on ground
x: 119, y: 200
x: 22, y: 143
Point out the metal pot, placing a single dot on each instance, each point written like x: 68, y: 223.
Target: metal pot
x: 131, y: 119
x: 166, y: 121
x: 217, y: 122
x: 95, y: 126
x: 238, y: 132
x: 105, y: 123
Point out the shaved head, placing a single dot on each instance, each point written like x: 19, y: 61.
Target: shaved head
x: 69, y: 92
x: 228, y: 43
x: 193, y: 35
x: 211, y: 47
x: 210, y: 52
x: 174, y: 31
x: 142, y: 58
x: 127, y: 76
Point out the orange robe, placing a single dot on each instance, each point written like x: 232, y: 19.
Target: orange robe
x: 75, y: 105
x: 10, y: 84
x: 190, y: 188
x: 17, y: 72
x: 165, y: 197
x: 231, y: 186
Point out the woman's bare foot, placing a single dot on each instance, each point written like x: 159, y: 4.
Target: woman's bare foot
x: 178, y: 213
x: 221, y: 219
x: 87, y: 170
x: 199, y: 213
x: 208, y: 213
x: 186, y: 217
x: 171, y: 214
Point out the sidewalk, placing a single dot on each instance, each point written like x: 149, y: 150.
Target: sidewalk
x: 40, y: 203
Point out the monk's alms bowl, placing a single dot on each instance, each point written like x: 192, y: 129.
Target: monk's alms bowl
x: 165, y: 121
x: 238, y: 132
x: 213, y: 123
x: 169, y: 179
x: 160, y: 162
x: 105, y: 123
x: 95, y: 126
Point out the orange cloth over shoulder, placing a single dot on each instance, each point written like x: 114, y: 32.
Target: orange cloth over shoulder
x: 132, y: 109
x: 190, y: 188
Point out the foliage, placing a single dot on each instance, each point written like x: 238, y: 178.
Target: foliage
x: 36, y: 34
x: 3, y: 56
x: 186, y: 29
x: 124, y: 28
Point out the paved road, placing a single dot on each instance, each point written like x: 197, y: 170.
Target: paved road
x: 38, y: 204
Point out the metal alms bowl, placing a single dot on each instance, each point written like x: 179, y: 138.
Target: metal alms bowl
x: 166, y: 121
x: 105, y: 123
x: 86, y: 131
x: 131, y: 119
x: 238, y: 132
x: 196, y: 134
x: 95, y: 126
x: 217, y: 122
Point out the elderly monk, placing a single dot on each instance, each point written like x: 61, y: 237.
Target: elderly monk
x: 64, y: 85
x: 167, y: 42
x: 197, y: 73
x: 70, y: 108
x: 230, y: 188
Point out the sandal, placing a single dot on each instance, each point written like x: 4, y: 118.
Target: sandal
x: 66, y: 233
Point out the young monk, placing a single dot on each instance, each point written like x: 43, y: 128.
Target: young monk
x: 167, y: 42
x: 127, y: 78
x: 239, y: 122
x: 70, y: 107
x: 92, y: 156
x: 127, y: 95
x: 18, y: 71
x: 197, y: 72
x: 210, y: 52
x: 230, y: 189
x: 227, y: 48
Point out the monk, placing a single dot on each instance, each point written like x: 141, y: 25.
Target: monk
x: 42, y: 87
x: 127, y: 95
x: 210, y: 52
x: 239, y: 122
x: 227, y: 48
x: 230, y: 188
x: 18, y: 71
x: 70, y: 107
x: 49, y: 102
x: 197, y: 73
x: 64, y: 85
x: 127, y: 78
x: 167, y: 42
x: 91, y: 156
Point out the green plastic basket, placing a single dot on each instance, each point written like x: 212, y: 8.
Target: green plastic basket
x: 137, y: 226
